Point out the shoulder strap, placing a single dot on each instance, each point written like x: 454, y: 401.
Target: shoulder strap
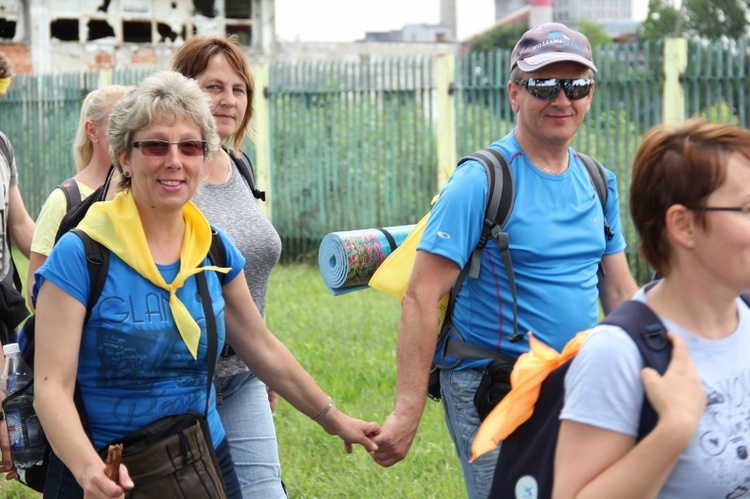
x: 72, y: 193
x: 599, y: 181
x: 211, y: 331
x: 246, y: 170
x: 97, y: 261
x: 217, y: 253
x: 650, y: 336
x: 500, y: 198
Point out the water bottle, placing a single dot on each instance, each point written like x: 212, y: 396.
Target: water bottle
x: 24, y: 430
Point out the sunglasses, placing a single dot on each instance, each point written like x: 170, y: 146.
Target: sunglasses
x: 156, y: 147
x: 549, y: 88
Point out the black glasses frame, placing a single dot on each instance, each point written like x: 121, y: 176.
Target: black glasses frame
x: 549, y: 88
x: 745, y: 210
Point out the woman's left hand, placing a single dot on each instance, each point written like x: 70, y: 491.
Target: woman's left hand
x: 272, y: 398
x: 350, y: 430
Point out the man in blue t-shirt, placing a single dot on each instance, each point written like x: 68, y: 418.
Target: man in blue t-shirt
x: 557, y: 241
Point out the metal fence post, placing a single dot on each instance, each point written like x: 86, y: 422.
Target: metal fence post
x: 675, y: 63
x: 262, y: 138
x: 446, y: 117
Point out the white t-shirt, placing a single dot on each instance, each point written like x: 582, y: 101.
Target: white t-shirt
x: 603, y: 389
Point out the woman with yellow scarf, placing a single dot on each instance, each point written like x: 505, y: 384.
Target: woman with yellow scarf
x: 142, y: 353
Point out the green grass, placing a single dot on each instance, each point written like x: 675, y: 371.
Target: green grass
x: 348, y: 344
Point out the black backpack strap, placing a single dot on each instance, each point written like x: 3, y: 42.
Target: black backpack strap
x: 599, y: 180
x: 248, y: 173
x: 97, y: 261
x: 500, y: 199
x: 650, y: 336
x: 211, y: 331
x: 72, y: 193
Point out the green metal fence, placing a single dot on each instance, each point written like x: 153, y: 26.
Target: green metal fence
x: 353, y: 144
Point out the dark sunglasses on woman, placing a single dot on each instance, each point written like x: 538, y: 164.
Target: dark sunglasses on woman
x: 157, y: 147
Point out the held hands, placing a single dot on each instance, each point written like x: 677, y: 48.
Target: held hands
x: 677, y: 397
x: 349, y: 429
x: 394, y: 440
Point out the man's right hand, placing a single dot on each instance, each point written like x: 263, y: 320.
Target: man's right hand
x: 394, y: 440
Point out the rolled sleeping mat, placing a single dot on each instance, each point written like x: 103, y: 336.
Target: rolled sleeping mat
x: 348, y: 259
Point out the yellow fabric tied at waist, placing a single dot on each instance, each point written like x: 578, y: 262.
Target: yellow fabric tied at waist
x: 529, y: 372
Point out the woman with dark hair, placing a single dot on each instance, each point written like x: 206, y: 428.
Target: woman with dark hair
x: 224, y: 74
x: 690, y: 202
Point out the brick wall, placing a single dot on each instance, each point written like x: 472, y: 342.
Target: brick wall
x: 19, y: 55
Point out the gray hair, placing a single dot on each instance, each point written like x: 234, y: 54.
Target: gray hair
x: 95, y: 107
x: 163, y: 97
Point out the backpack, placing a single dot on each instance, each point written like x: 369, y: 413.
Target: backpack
x: 500, y: 199
x: 13, y: 309
x: 527, y: 456
x: 248, y: 173
x: 97, y: 263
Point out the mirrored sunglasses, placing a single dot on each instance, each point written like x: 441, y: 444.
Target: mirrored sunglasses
x: 156, y: 147
x: 549, y: 88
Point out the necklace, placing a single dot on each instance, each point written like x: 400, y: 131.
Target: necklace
x: 552, y: 172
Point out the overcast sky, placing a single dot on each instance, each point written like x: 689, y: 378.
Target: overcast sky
x: 348, y: 20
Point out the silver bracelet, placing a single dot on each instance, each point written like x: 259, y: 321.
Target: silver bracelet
x: 324, y: 411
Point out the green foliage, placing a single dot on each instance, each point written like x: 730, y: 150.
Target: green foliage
x: 715, y: 19
x: 499, y: 37
x: 594, y: 32
x: 661, y: 21
x: 348, y: 344
x: 709, y: 19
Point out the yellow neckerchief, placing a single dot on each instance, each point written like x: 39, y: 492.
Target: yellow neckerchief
x: 4, y: 84
x: 117, y: 225
x: 530, y: 370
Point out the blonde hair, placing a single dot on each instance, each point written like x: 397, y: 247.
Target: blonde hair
x: 96, y: 108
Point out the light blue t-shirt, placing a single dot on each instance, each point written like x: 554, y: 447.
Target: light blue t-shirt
x: 133, y: 365
x: 556, y: 235
x: 603, y: 389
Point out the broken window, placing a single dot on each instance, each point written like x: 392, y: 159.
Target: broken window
x: 99, y: 29
x: 205, y: 8
x: 7, y: 28
x: 166, y: 33
x: 244, y: 33
x: 238, y: 9
x: 136, y: 32
x: 64, y: 29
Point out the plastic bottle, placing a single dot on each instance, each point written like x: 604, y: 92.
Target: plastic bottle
x: 24, y: 430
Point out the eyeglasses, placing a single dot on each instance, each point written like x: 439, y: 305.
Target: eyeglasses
x: 745, y: 210
x: 156, y: 147
x: 549, y: 88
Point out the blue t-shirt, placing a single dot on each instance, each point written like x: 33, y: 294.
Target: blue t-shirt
x: 556, y: 235
x: 133, y: 366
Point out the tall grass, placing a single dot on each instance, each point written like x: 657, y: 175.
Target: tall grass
x: 348, y: 344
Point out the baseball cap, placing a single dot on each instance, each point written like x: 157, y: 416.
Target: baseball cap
x: 549, y: 43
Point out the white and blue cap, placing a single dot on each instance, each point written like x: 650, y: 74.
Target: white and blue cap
x: 550, y: 43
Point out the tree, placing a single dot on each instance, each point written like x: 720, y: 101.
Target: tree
x: 594, y: 32
x: 499, y: 37
x: 660, y: 22
x: 714, y: 19
x: 711, y: 19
